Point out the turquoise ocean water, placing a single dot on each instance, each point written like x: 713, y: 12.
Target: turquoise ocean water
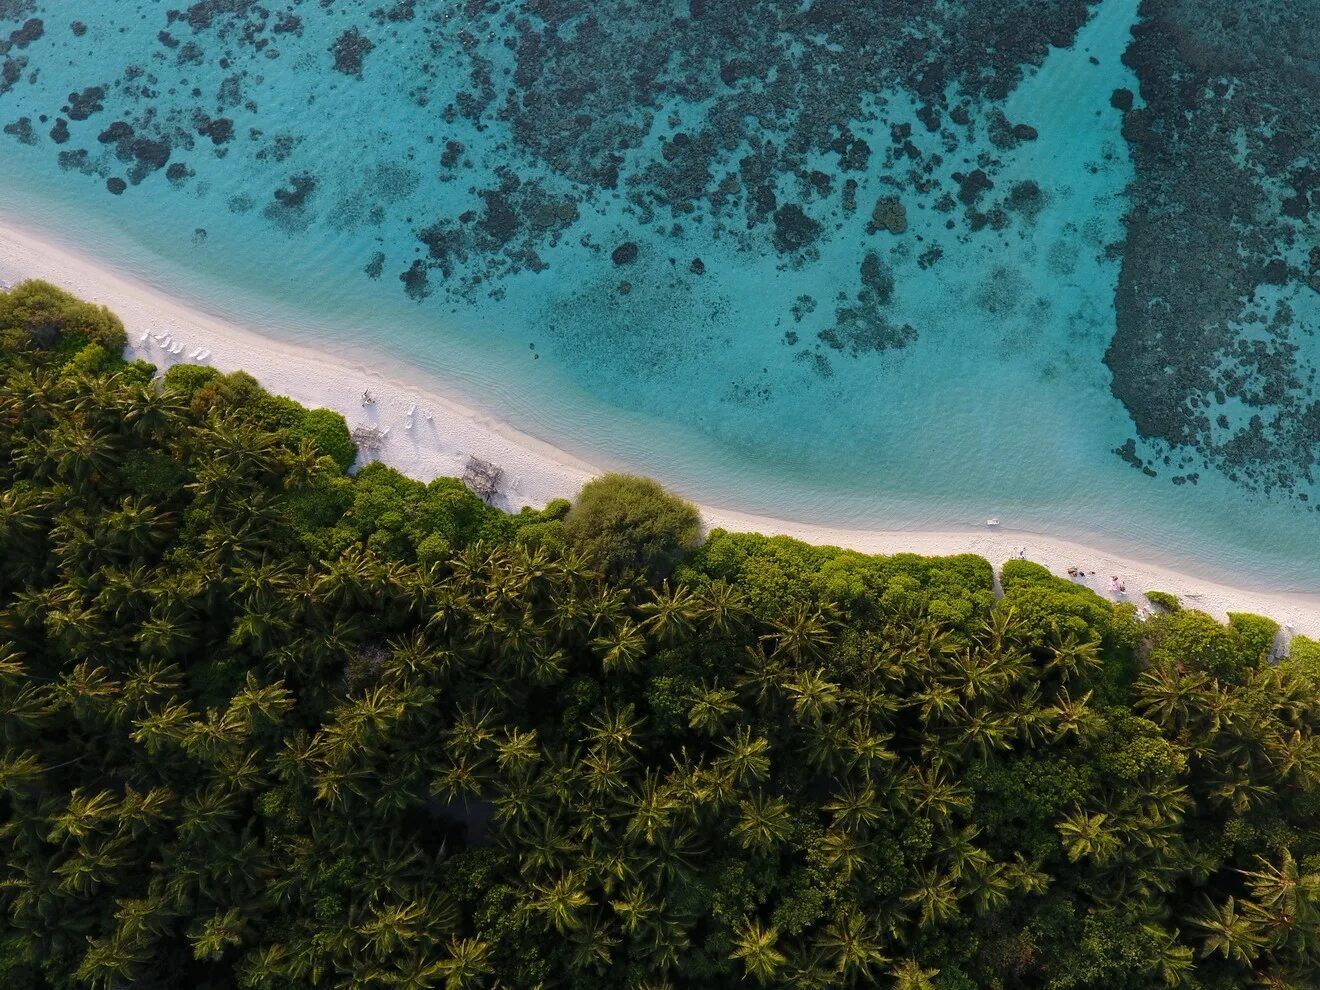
x: 814, y: 357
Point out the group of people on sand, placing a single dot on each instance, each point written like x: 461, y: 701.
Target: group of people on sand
x: 1116, y: 584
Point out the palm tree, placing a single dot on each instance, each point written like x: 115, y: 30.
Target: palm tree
x: 615, y: 732
x: 671, y: 615
x: 844, y: 851
x: 989, y: 885
x: 217, y: 934
x: 111, y: 962
x: 804, y: 633
x: 666, y: 942
x: 760, y: 676
x: 852, y: 946
x: 935, y: 794
x: 855, y: 807
x: 960, y: 853
x: 1089, y: 834
x: 635, y: 907
x: 746, y: 758
x: 711, y: 704
x: 543, y: 847
x: 675, y: 854
x: 1174, y: 961
x: 911, y: 975
x: 1170, y: 696
x: 653, y: 808
x: 622, y: 648
x: 724, y: 608
x: 79, y: 454
x: 1286, y: 902
x: 763, y: 822
x: 814, y: 696
x: 562, y: 901
x: 593, y: 947
x: 936, y: 895
x: 1223, y: 930
x: 754, y: 944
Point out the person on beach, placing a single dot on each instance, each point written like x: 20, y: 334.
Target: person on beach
x: 367, y: 398
x: 1113, y: 584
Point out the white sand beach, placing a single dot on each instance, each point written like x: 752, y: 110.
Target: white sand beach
x: 429, y: 435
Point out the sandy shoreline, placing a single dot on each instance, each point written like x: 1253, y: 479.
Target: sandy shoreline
x: 444, y: 433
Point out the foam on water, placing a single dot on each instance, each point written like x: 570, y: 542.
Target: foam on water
x: 926, y: 376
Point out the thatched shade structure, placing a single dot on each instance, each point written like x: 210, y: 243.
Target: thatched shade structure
x: 482, y: 478
x: 368, y: 438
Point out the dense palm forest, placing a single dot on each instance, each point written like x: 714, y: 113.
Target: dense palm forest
x: 266, y: 724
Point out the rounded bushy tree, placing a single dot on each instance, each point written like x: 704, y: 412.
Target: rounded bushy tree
x: 631, y: 526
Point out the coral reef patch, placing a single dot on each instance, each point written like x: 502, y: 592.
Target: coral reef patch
x: 1224, y: 209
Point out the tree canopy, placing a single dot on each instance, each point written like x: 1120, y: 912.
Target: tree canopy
x: 624, y: 525
x: 267, y: 724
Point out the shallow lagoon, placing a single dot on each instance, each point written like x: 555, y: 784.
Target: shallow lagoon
x: 785, y: 348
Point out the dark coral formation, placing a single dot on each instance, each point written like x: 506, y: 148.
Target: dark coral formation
x: 862, y: 325
x: 589, y: 97
x: 590, y: 86
x: 502, y: 236
x: 1227, y: 189
x: 350, y: 51
x: 889, y: 214
x: 22, y: 130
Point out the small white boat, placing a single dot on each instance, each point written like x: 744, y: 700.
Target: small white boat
x: 992, y: 521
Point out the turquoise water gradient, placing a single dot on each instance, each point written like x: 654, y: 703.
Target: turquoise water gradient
x: 1000, y: 406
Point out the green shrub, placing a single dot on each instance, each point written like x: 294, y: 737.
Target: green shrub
x: 55, y: 321
x: 1303, y: 658
x: 93, y: 359
x: 152, y: 474
x: 1046, y: 604
x: 433, y: 549
x: 557, y: 509
x: 1255, y: 632
x: 774, y: 571
x: 548, y: 535
x: 1164, y: 600
x: 1196, y: 640
x: 188, y: 379
x: 328, y: 431
x: 627, y: 525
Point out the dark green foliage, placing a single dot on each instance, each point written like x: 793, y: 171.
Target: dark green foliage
x: 1255, y: 632
x: 1194, y: 639
x: 47, y: 325
x: 327, y: 430
x: 267, y: 726
x: 626, y: 525
x: 1303, y: 658
x: 1051, y: 603
x: 1164, y: 600
x: 777, y: 573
